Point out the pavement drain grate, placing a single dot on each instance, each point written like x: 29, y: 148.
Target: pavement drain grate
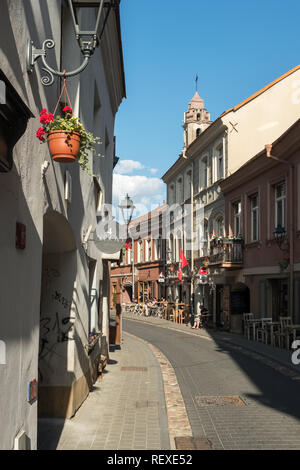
x: 134, y: 368
x: 234, y: 400
x: 146, y: 404
x: 193, y: 443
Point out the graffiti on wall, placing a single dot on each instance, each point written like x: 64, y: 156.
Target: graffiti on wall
x: 57, y: 328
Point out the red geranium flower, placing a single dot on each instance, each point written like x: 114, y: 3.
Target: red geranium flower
x: 44, y: 110
x: 46, y: 118
x: 40, y: 134
x: 67, y: 109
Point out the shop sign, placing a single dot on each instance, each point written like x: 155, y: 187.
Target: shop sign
x: 161, y: 278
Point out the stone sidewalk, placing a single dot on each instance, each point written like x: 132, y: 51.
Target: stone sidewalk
x: 125, y: 410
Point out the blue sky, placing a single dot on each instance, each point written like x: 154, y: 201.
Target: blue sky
x: 235, y: 47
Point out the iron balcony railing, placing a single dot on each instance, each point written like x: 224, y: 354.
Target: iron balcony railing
x: 226, y: 251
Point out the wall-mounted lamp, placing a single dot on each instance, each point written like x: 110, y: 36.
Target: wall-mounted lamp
x: 87, y: 40
x: 279, y: 235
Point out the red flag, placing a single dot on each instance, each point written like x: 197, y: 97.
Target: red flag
x: 182, y: 263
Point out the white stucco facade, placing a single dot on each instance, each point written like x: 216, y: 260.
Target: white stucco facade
x: 50, y: 288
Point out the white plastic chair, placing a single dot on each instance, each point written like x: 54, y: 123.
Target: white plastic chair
x: 261, y: 332
x: 247, y: 317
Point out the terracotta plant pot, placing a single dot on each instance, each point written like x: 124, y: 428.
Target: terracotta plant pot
x: 64, y: 146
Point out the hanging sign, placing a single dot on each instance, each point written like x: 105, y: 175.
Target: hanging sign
x: 161, y: 278
x: 203, y: 270
x: 203, y: 279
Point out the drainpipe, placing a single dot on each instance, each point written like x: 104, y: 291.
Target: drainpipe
x: 291, y: 225
x: 192, y: 240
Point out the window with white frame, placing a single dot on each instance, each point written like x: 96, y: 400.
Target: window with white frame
x: 140, y: 256
x: 280, y: 205
x: 205, y: 239
x: 148, y: 250
x: 179, y: 193
x: 157, y: 248
x: 171, y: 245
x: 171, y: 194
x: 237, y: 210
x: 187, y: 184
x: 203, y: 173
x: 220, y: 163
x: 254, y: 218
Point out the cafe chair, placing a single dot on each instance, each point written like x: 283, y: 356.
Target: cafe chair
x: 283, y: 335
x: 247, y: 317
x: 262, y: 332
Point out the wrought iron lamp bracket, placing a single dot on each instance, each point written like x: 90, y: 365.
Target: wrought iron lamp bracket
x: 33, y: 54
x: 87, y: 47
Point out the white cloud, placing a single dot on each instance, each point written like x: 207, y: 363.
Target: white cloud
x: 128, y: 166
x: 153, y: 171
x: 146, y: 192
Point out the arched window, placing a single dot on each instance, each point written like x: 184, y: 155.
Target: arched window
x: 198, y: 117
x: 219, y: 226
x: 198, y: 131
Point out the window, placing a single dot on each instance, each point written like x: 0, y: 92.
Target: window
x: 220, y: 226
x: 254, y: 218
x: 198, y: 118
x: 171, y: 194
x: 14, y: 116
x: 148, y: 250
x: 158, y: 248
x: 205, y: 239
x: 237, y: 208
x: 203, y: 173
x: 187, y: 185
x: 198, y: 131
x: 171, y: 245
x: 220, y: 163
x: 280, y: 205
x: 179, y: 194
x: 140, y: 251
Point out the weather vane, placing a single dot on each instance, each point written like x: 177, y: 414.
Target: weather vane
x: 196, y: 82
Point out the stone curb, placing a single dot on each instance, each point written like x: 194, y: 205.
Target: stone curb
x: 178, y: 421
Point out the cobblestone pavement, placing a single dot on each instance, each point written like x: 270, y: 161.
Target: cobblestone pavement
x: 125, y: 410
x: 238, y: 393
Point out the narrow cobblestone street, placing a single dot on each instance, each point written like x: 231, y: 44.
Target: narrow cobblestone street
x: 263, y: 409
x: 168, y: 381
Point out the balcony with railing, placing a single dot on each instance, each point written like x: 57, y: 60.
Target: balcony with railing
x: 226, y: 253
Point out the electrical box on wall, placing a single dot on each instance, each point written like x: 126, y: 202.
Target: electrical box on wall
x: 20, y: 236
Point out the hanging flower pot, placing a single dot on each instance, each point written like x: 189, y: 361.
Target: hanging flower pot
x: 67, y: 138
x: 64, y: 146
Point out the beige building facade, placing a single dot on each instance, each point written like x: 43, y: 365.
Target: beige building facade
x: 221, y: 148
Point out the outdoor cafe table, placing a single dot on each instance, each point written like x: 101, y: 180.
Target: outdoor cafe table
x: 270, y: 327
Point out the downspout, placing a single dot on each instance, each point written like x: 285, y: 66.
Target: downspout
x: 291, y: 226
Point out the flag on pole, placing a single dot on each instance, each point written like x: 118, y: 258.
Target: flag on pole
x: 182, y: 264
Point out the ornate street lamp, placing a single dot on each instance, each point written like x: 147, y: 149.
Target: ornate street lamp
x: 87, y: 40
x: 279, y: 235
x: 127, y: 207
